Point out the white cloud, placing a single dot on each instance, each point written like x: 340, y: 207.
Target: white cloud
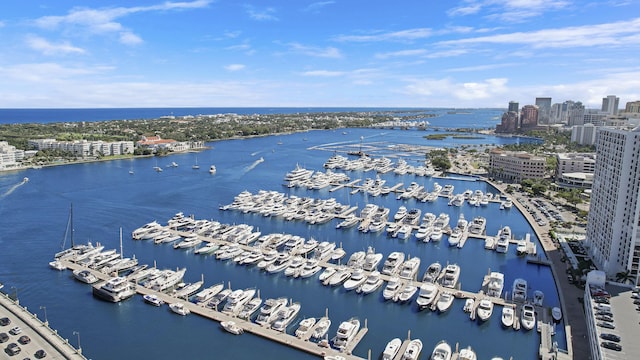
x: 508, y: 10
x: 48, y: 48
x: 466, y: 91
x: 401, y: 53
x: 608, y: 34
x: 316, y: 6
x: 266, y: 14
x: 323, y: 73
x: 234, y: 67
x: 402, y: 35
x: 102, y: 21
x: 328, y: 52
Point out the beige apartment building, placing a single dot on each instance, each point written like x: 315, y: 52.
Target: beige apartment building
x: 514, y: 166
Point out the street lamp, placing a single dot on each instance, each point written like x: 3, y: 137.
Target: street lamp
x: 79, y: 347
x: 46, y: 322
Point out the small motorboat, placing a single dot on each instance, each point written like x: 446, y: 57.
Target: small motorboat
x: 232, y: 327
x: 391, y: 350
x: 508, y: 316
x: 179, y: 309
x: 152, y: 300
x: 556, y: 313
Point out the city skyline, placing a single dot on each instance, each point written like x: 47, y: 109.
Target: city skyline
x: 206, y: 53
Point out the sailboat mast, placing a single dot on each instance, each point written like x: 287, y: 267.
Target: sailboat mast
x: 73, y: 244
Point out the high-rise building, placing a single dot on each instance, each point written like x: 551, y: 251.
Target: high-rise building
x: 529, y: 117
x: 544, y: 109
x: 632, y: 107
x: 513, y: 106
x: 610, y: 105
x: 613, y: 225
x: 575, y: 113
x: 584, y: 134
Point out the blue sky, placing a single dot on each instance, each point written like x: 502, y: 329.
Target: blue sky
x: 229, y: 53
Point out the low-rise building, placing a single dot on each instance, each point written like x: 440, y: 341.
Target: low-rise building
x: 514, y: 166
x: 575, y: 170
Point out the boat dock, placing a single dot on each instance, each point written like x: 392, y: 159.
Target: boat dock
x: 247, y: 326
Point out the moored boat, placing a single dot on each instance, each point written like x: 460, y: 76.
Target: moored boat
x: 413, y: 350
x: 346, y: 332
x: 442, y: 351
x: 391, y: 350
x: 152, y: 300
x: 528, y: 317
x: 231, y: 327
x: 508, y: 316
x: 179, y: 309
x: 304, y: 327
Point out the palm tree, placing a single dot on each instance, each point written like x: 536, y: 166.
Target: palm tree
x: 625, y: 277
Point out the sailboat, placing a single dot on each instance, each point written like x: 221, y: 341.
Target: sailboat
x: 196, y: 166
x: 56, y: 263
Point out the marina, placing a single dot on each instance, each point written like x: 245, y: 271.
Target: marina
x: 203, y: 200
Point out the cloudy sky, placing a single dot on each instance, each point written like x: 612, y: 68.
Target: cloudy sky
x: 230, y: 53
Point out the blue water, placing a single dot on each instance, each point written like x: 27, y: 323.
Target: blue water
x: 476, y: 118
x: 106, y: 197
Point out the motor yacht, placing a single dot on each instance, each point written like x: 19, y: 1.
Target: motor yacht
x: 442, y: 351
x: 400, y: 214
x: 406, y: 293
x: 371, y: 284
x: 413, y: 350
x: 394, y: 285
x: 179, y: 309
x: 346, y: 332
x: 436, y: 234
x: 467, y: 354
x: 485, y: 309
x: 341, y: 276
x: 528, y: 316
x: 237, y: 299
x: 410, y: 268
x: 282, y: 262
x: 508, y: 316
x: 208, y: 248
x: 356, y: 259
x: 115, y: 289
x: 321, y: 328
x: 495, y: 284
x: 451, y: 275
x: 358, y: 277
x: 203, y: 296
x: 327, y: 274
x: 185, y: 290
x: 310, y: 268
x: 285, y: 316
x: 392, y: 229
x: 167, y: 280
x: 519, y: 290
x: 338, y: 253
x: 391, y: 350
x: 218, y: 299
x: 295, y: 266
x: 432, y: 272
x: 428, y: 292
x: 445, y: 301
x: 269, y: 311
x: 85, y: 276
x: 371, y: 260
x: 404, y: 232
x: 393, y: 263
x: 304, y: 327
x: 231, y: 327
x: 455, y: 237
x: 152, y: 300
x: 250, y: 308
x: 477, y: 225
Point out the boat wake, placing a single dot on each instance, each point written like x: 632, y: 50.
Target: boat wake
x: 253, y: 166
x: 14, y: 187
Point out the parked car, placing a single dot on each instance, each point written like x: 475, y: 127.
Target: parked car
x: 5, y: 321
x: 611, y: 345
x: 610, y: 337
x: 24, y: 340
x: 15, y: 330
x: 13, y: 349
x: 605, y: 324
x: 40, y: 354
x: 4, y: 337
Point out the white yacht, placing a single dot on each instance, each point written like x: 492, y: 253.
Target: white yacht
x: 371, y: 260
x: 304, y: 327
x: 393, y: 263
x: 85, y: 276
x: 285, y: 316
x: 185, y: 290
x: 152, y: 300
x: 424, y: 232
x: 508, y: 316
x: 485, y: 309
x: 179, y: 309
x: 528, y: 317
x: 205, y: 295
x: 445, y: 301
x: 432, y: 272
x: 349, y: 221
x: 496, y: 284
x: 358, y: 277
x: 167, y: 280
x: 442, y: 351
x: 478, y: 225
x: 269, y: 311
x: 321, y: 328
x: 372, y: 283
x: 451, y: 275
x: 115, y: 289
x: 237, y: 299
x: 428, y: 292
x: 406, y: 293
x: 295, y: 266
x: 400, y: 214
x: 342, y: 275
x: 393, y: 287
x: 413, y: 350
x: 410, y: 268
x: 455, y: 237
x: 356, y: 259
x: 327, y: 274
x: 310, y: 268
x: 467, y: 354
x: 519, y: 290
x: 212, y: 169
x: 391, y: 350
x: 346, y: 332
x: 231, y: 327
x: 250, y: 308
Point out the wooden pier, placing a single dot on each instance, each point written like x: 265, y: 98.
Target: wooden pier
x: 247, y: 326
